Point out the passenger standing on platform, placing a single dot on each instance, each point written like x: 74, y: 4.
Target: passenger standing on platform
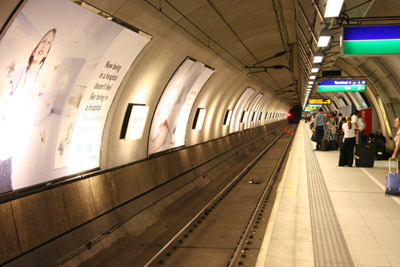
x: 347, y: 149
x: 361, y: 126
x: 339, y: 130
x: 329, y: 126
x: 339, y: 119
x: 312, y: 118
x: 396, y: 139
x: 354, y: 120
x: 335, y: 122
x: 319, y: 127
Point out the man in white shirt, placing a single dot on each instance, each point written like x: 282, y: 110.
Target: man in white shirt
x: 354, y: 119
x: 361, y: 126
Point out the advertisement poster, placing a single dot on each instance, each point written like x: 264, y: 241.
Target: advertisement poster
x: 238, y: 110
x: 252, y: 115
x: 261, y: 111
x: 168, y: 128
x: 60, y: 68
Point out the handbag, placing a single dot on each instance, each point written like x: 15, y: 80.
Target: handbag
x: 314, y: 137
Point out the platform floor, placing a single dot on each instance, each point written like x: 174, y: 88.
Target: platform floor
x: 325, y: 215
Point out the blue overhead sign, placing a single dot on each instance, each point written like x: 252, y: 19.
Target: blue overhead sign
x: 342, y: 85
x: 371, y: 40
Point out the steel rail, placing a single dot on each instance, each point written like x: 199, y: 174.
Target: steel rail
x: 238, y: 250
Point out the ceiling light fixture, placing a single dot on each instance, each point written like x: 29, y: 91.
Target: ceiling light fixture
x: 333, y: 8
x: 312, y: 77
x: 315, y: 68
x: 319, y: 56
x: 324, y: 38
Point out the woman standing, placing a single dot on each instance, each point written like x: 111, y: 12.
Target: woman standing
x: 396, y: 138
x: 347, y: 149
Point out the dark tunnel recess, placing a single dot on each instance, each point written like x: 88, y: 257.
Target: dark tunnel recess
x: 294, y: 115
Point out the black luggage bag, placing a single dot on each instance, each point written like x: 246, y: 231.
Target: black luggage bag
x: 365, y: 155
x: 334, y: 145
x: 379, y: 152
x: 326, y: 145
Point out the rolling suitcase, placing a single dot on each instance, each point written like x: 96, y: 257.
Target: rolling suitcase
x: 393, y: 181
x: 365, y: 155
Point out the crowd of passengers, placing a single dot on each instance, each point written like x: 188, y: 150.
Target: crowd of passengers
x: 346, y: 133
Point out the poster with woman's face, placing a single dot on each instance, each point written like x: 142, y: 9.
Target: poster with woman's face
x: 168, y: 128
x: 60, y: 68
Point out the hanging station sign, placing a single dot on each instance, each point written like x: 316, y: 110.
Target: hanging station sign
x: 309, y: 108
x: 371, y: 40
x: 321, y: 101
x: 342, y: 86
x: 314, y: 106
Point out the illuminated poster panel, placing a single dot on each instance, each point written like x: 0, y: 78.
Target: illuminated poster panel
x: 238, y: 110
x: 168, y: 128
x: 252, y: 108
x: 137, y: 121
x: 261, y: 110
x: 60, y: 68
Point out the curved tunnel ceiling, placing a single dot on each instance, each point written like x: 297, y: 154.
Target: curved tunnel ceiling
x: 253, y: 36
x: 262, y: 38
x: 265, y: 45
x: 381, y: 72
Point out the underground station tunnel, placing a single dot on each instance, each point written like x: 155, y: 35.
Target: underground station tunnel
x: 199, y: 133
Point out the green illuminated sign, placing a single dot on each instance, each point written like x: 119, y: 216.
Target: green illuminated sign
x: 310, y: 108
x: 342, y: 86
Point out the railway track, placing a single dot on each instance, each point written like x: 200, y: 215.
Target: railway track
x: 222, y: 232
x: 221, y: 224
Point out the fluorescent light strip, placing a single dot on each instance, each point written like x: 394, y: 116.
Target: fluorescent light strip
x: 318, y: 59
x: 314, y: 70
x: 323, y: 41
x: 333, y: 8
